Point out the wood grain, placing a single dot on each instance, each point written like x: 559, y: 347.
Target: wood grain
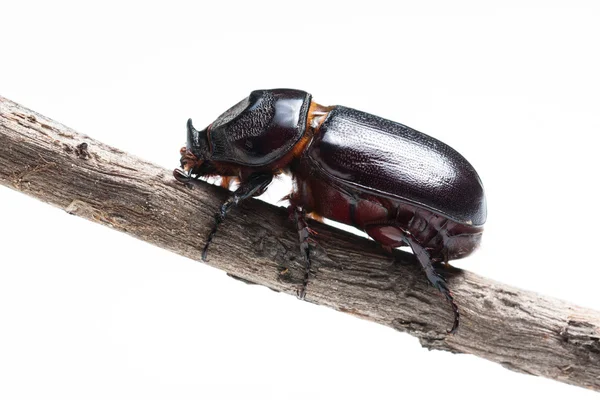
x: 521, y: 330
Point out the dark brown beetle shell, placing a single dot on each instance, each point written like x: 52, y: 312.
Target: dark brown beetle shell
x: 384, y: 158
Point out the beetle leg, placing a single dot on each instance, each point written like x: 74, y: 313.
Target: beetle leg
x: 255, y: 185
x: 434, y: 277
x: 304, y: 237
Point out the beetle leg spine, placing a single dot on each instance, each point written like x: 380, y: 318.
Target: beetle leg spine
x: 304, y: 238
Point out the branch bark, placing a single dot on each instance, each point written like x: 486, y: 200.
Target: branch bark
x: 521, y: 330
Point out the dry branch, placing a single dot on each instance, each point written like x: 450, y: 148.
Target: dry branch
x: 521, y: 330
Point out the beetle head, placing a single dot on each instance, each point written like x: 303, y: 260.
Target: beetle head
x: 195, y: 157
x: 254, y: 133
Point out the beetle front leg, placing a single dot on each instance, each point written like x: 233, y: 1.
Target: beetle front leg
x: 435, y: 278
x: 255, y: 185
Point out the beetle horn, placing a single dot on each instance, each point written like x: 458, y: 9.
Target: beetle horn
x: 197, y: 142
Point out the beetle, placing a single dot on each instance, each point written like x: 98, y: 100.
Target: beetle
x: 400, y: 186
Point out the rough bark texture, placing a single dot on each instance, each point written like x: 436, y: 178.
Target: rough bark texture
x: 521, y: 330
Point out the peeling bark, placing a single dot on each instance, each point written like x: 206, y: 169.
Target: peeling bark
x: 521, y: 330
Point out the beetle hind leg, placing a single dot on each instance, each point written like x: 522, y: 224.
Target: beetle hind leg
x: 435, y: 279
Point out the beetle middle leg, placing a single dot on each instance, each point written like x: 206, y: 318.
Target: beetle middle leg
x: 304, y: 231
x: 255, y: 185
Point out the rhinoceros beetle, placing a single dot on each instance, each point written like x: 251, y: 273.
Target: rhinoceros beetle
x: 400, y: 186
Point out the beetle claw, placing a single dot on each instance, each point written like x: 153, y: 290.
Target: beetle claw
x: 301, y: 293
x: 441, y: 285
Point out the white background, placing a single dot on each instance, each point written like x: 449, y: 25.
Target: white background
x: 89, y: 313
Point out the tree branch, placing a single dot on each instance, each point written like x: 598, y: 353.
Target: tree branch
x: 521, y: 330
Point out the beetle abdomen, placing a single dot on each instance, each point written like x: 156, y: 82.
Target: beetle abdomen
x: 385, y: 158
x: 385, y: 219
